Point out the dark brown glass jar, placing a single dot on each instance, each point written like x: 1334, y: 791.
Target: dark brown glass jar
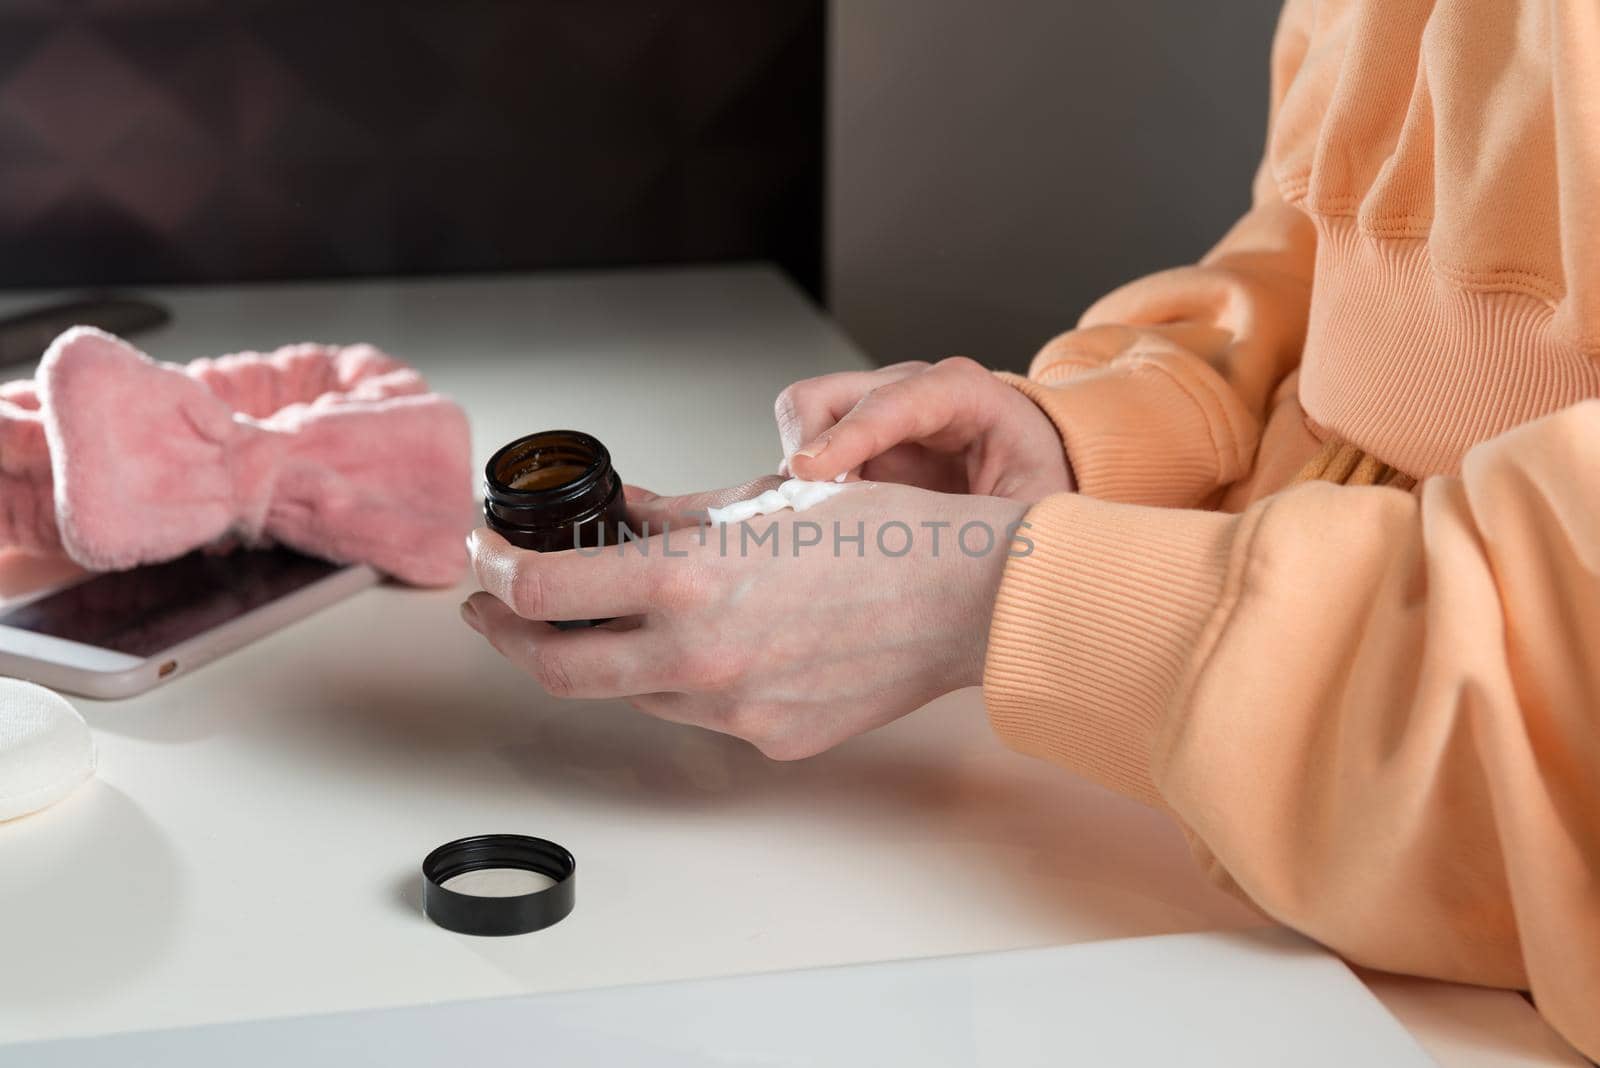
x: 554, y: 490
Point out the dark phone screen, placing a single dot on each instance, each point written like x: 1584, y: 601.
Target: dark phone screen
x: 149, y: 609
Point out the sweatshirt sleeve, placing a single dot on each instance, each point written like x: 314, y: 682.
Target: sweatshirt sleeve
x: 1160, y: 393
x: 1377, y: 714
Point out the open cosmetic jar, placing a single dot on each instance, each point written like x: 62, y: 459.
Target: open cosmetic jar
x: 554, y: 490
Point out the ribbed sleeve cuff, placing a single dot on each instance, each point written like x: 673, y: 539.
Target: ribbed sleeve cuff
x: 1134, y: 432
x: 1095, y: 629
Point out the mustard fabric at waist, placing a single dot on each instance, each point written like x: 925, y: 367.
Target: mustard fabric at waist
x: 1344, y: 464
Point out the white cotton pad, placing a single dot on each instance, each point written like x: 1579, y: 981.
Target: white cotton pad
x: 796, y: 493
x: 46, y: 750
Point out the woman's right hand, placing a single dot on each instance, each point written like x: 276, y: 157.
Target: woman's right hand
x: 951, y: 426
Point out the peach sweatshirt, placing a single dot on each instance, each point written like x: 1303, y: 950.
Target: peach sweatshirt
x: 1376, y: 712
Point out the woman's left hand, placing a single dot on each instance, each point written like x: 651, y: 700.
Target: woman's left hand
x: 776, y: 630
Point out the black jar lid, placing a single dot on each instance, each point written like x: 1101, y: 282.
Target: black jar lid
x: 476, y: 914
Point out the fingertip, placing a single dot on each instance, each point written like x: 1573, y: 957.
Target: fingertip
x: 823, y: 470
x: 485, y: 608
x: 494, y: 561
x: 483, y: 539
x: 638, y: 494
x: 493, y: 620
x: 811, y: 449
x: 802, y: 467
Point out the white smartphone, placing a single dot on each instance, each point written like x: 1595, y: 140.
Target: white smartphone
x: 119, y: 633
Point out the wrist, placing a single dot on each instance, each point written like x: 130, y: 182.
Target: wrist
x: 1138, y: 432
x: 985, y: 576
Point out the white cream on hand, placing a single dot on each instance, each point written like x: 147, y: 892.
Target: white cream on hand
x: 796, y: 493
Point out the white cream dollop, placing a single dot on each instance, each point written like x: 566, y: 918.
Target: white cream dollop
x: 797, y: 493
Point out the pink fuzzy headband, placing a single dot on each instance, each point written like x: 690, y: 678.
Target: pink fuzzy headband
x: 341, y: 453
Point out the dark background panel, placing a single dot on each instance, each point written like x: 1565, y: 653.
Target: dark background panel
x: 147, y: 141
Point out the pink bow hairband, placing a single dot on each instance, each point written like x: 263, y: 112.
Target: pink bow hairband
x: 341, y: 453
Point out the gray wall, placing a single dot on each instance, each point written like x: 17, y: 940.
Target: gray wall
x: 996, y: 166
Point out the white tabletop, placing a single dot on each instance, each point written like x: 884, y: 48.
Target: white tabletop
x: 250, y: 846
x: 1224, y: 999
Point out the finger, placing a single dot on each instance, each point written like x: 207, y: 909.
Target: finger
x: 638, y: 494
x: 589, y: 584
x: 914, y: 464
x: 671, y: 707
x: 945, y: 402
x: 648, y: 510
x: 670, y: 513
x: 810, y: 406
x: 585, y: 663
